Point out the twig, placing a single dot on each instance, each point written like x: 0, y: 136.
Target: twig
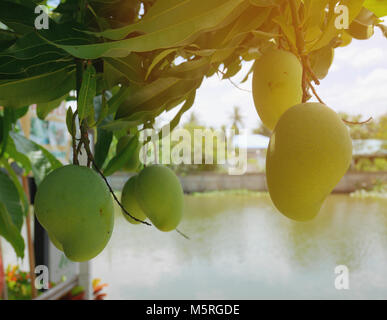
x: 182, y: 234
x: 315, y: 93
x: 31, y: 253
x: 90, y: 159
x: 115, y: 197
x: 300, y: 43
x: 73, y: 133
x: 357, y: 123
x: 233, y: 83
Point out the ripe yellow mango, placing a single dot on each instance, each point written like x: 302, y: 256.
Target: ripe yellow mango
x: 161, y: 197
x: 277, y: 85
x: 130, y: 203
x: 309, y: 152
x: 75, y: 206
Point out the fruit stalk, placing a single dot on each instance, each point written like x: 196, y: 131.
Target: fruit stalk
x: 300, y: 43
x: 31, y: 253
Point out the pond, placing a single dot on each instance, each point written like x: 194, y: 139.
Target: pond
x: 240, y: 247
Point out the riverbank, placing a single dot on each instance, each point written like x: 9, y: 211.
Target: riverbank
x: 211, y: 181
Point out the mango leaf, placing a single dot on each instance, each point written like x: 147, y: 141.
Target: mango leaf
x: 87, y: 92
x: 363, y: 27
x: 6, y: 125
x: 158, y: 58
x: 185, y: 107
x: 331, y: 31
x: 31, y: 46
x: 321, y: 60
x: 128, y: 68
x: 42, y: 161
x: 10, y: 232
x: 383, y: 28
x: 43, y: 109
x: 266, y: 3
x: 188, y: 70
x: 9, y: 196
x: 101, y: 149
x: 69, y: 120
x: 379, y: 7
x: 154, y: 95
x: 17, y: 17
x: 37, y: 89
x: 122, y: 157
x: 116, y: 101
x: 20, y: 158
x: 169, y: 23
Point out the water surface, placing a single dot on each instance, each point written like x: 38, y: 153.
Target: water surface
x: 242, y: 248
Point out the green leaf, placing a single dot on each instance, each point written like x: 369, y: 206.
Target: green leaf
x: 42, y: 161
x: 9, y: 196
x: 159, y: 57
x: 321, y: 60
x: 155, y: 95
x: 185, y: 107
x: 20, y: 158
x: 104, y: 140
x: 128, y: 68
x: 69, y: 120
x: 169, y: 23
x: 330, y: 32
x: 122, y: 157
x: 16, y: 16
x: 43, y: 109
x: 6, y: 125
x: 37, y: 89
x: 87, y: 92
x: 10, y: 232
x: 189, y: 70
x: 379, y: 7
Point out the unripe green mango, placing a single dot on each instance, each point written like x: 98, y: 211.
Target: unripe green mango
x: 75, y: 206
x: 309, y: 152
x: 134, y: 162
x: 129, y: 201
x: 55, y: 242
x: 161, y: 197
x: 277, y: 84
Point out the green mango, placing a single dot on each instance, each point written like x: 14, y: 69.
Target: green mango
x: 161, y: 197
x: 74, y: 205
x: 129, y: 201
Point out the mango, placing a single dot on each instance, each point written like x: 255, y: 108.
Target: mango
x: 130, y: 203
x: 161, y: 197
x: 309, y: 152
x: 277, y: 85
x: 75, y: 206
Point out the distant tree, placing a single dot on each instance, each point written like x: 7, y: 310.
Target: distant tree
x: 263, y: 130
x: 193, y: 119
x: 237, y: 119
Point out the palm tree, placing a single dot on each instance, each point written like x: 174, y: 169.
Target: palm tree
x: 193, y: 119
x: 237, y: 119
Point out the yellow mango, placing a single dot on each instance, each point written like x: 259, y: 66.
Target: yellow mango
x: 309, y: 152
x: 277, y: 85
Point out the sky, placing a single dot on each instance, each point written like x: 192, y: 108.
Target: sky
x: 356, y: 84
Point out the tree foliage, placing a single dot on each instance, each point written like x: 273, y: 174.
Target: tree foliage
x: 131, y: 60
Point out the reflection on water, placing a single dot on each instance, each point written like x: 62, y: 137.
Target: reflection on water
x: 242, y: 248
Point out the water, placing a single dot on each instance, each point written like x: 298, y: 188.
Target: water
x: 242, y: 248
